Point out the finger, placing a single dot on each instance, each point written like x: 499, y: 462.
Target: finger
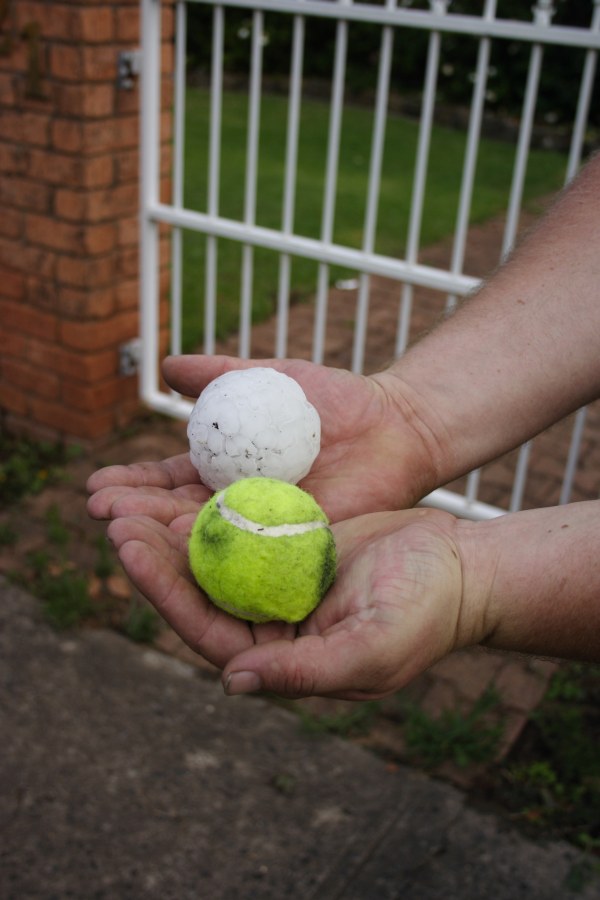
x: 168, y: 473
x: 189, y: 375
x: 208, y: 631
x: 312, y: 665
x: 157, y: 503
x: 170, y: 545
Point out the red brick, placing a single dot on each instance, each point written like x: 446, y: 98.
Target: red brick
x: 127, y: 293
x: 96, y: 24
x: 110, y: 392
x: 129, y: 230
x: 54, y: 168
x: 23, y: 193
x: 90, y: 101
x: 78, y: 302
x: 72, y: 423
x: 81, y: 271
x: 128, y: 262
x: 100, y: 239
x: 66, y: 62
x: 22, y: 126
x: 70, y: 363
x: 11, y: 223
x: 30, y: 379
x: 66, y: 134
x: 20, y: 317
x: 48, y: 232
x: 128, y: 25
x: 17, y: 254
x: 97, y: 172
x: 41, y: 292
x: 113, y: 202
x: 13, y: 400
x: 56, y: 20
x: 101, y: 334
x: 70, y: 204
x: 127, y: 165
x: 12, y: 284
x: 14, y: 159
x: 100, y: 63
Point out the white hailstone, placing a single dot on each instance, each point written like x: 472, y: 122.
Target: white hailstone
x: 251, y: 423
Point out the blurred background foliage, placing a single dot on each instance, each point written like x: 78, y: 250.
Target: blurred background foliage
x: 561, y: 71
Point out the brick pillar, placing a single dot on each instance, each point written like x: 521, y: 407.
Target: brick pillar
x: 68, y: 214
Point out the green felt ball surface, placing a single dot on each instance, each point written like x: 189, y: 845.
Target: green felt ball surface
x: 262, y: 550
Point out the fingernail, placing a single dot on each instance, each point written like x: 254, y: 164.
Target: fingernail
x: 242, y: 683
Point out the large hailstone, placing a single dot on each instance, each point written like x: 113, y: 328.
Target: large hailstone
x: 253, y: 422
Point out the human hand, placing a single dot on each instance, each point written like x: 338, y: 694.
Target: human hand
x: 372, y: 456
x: 395, y: 608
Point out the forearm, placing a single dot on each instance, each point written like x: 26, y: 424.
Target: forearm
x: 531, y: 581
x: 520, y: 354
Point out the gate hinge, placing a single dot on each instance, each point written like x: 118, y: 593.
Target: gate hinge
x: 130, y: 355
x: 129, y: 63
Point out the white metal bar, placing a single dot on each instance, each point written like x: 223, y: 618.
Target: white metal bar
x: 476, y: 26
x: 251, y: 178
x: 289, y: 191
x: 516, y: 499
x: 330, y: 187
x: 178, y: 172
x: 311, y: 248
x: 472, y: 147
x: 461, y: 506
x: 149, y: 177
x: 214, y: 179
x: 584, y: 100
x: 573, y: 456
x: 373, y: 191
x: 418, y: 193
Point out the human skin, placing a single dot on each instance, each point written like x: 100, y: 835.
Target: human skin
x: 413, y: 584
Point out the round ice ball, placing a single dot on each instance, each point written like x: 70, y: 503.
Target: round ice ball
x: 253, y: 423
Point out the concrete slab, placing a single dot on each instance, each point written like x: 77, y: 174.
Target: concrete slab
x: 126, y: 774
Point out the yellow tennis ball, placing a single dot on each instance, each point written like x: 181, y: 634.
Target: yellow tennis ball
x: 262, y: 550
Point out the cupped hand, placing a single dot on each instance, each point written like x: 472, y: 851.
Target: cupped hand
x: 373, y: 456
x: 394, y: 609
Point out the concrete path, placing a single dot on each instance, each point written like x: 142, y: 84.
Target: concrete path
x: 126, y: 774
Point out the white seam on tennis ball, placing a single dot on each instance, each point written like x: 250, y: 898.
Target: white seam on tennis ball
x: 287, y: 530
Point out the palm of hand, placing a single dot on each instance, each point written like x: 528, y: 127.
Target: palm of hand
x: 391, y: 613
x: 367, y: 462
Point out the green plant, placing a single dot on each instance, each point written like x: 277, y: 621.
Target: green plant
x: 57, y: 531
x: 463, y: 737
x: 354, y: 723
x: 27, y: 466
x: 551, y: 780
x: 105, y: 563
x: 65, y: 599
x: 8, y: 535
x: 142, y: 624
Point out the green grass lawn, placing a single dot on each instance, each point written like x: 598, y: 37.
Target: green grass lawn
x: 494, y: 172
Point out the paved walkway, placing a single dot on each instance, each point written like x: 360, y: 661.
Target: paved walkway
x: 124, y: 774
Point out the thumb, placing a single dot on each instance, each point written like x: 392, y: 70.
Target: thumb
x: 311, y: 665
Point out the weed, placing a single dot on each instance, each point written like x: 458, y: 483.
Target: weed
x: 551, y: 780
x: 461, y: 737
x: 65, y: 598
x: 27, y: 466
x: 105, y: 564
x: 57, y: 531
x: 8, y: 535
x: 354, y: 723
x: 142, y: 624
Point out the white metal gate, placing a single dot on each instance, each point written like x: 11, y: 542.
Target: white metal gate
x: 396, y: 21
